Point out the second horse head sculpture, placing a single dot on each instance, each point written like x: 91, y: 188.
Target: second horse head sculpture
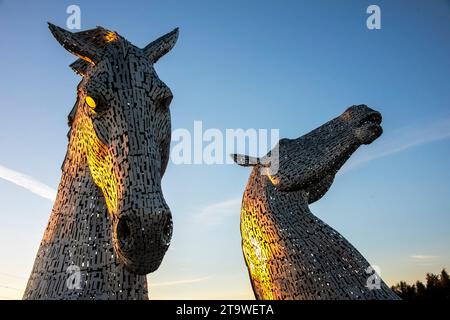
x: 289, y: 252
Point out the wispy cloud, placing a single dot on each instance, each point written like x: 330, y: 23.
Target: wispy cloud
x: 423, y: 258
x: 217, y: 212
x: 177, y: 282
x: 400, y: 140
x: 28, y: 183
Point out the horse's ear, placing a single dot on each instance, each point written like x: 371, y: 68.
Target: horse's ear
x: 87, y: 45
x: 161, y: 46
x: 244, y: 160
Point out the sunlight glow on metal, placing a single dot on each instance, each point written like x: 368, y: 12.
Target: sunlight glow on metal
x: 110, y: 36
x: 100, y: 160
x: 257, y: 252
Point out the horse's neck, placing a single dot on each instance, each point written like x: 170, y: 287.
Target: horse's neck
x: 78, y: 202
x: 267, y: 198
x: 78, y: 237
x: 300, y: 245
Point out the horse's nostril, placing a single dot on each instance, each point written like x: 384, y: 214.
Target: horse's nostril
x: 123, y: 231
x: 167, y: 232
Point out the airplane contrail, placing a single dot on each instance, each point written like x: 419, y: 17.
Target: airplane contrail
x: 28, y: 183
x: 176, y: 282
x: 399, y: 140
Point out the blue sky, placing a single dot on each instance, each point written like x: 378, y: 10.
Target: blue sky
x: 291, y: 65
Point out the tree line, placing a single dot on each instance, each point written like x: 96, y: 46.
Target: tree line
x: 436, y: 287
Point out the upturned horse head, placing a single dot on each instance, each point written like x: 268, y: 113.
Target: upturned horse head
x: 310, y: 162
x: 121, y: 122
x: 290, y: 253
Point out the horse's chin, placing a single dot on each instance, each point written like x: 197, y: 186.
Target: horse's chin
x: 143, y: 270
x: 140, y: 267
x: 140, y: 261
x: 368, y: 132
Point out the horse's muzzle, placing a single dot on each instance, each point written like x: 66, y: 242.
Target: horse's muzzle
x: 141, y: 239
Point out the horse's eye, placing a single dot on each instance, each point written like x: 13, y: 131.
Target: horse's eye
x: 91, y: 102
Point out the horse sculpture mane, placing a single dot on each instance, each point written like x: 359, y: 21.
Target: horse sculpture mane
x: 110, y: 224
x: 289, y: 252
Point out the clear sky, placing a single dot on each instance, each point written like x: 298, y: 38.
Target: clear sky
x: 291, y: 65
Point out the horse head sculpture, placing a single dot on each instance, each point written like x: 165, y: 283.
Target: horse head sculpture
x: 290, y: 253
x: 118, y: 152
